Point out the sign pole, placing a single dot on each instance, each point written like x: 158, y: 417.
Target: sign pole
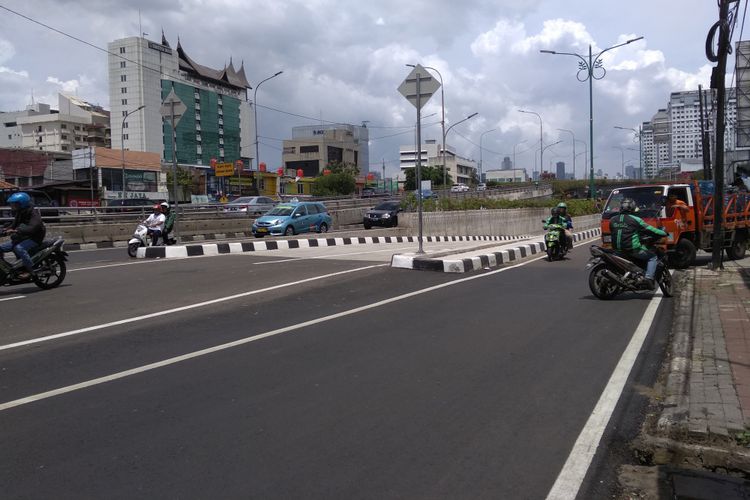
x: 174, y: 169
x: 419, y: 161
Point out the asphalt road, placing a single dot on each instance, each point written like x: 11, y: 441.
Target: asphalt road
x: 221, y: 377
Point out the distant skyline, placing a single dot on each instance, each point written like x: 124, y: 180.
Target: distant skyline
x: 343, y: 61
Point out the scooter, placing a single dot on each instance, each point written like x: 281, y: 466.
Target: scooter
x: 140, y: 239
x: 611, y: 274
x: 49, y: 266
x: 555, y: 242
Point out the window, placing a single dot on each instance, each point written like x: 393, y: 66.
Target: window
x: 125, y: 137
x: 10, y: 124
x: 124, y: 102
x: 308, y: 149
x: 125, y: 125
x: 123, y: 90
x: 198, y: 117
x: 122, y: 50
x: 39, y: 128
x: 199, y: 149
x: 65, y: 148
x: 124, y: 113
x: 198, y: 137
x: 63, y: 126
x: 221, y: 130
x: 262, y: 183
x: 10, y: 137
x: 123, y: 78
x: 198, y: 127
x: 221, y: 141
x: 77, y: 127
x: 122, y: 64
x: 78, y: 138
x: 64, y: 137
x: 301, y: 190
x: 221, y: 121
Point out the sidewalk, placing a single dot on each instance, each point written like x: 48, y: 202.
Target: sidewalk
x: 705, y: 412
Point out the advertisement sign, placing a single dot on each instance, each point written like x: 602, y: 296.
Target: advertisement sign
x: 80, y: 202
x: 224, y: 169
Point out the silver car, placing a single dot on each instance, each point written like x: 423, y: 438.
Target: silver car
x: 249, y: 205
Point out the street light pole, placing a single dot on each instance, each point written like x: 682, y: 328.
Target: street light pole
x: 442, y: 118
x: 639, y: 133
x: 541, y: 138
x: 588, y: 66
x: 480, y: 152
x: 446, y: 135
x: 255, y: 110
x: 622, y: 160
x: 574, y: 148
x: 122, y: 145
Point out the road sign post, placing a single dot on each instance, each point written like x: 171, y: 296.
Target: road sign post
x: 417, y: 88
x: 173, y: 108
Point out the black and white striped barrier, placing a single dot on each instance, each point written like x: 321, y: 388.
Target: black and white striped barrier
x: 182, y: 251
x: 495, y: 259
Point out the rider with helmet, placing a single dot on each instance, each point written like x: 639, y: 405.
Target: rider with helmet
x: 155, y: 224
x: 560, y: 216
x: 26, y: 232
x: 626, y: 230
x: 169, y: 218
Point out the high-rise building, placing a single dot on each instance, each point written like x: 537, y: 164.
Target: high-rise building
x: 507, y: 164
x: 217, y: 123
x: 560, y: 170
x: 459, y: 169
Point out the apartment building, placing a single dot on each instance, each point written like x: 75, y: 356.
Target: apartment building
x: 460, y: 169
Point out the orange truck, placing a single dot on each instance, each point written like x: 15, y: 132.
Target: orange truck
x: 689, y: 229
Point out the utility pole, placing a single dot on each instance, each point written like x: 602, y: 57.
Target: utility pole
x: 718, y: 82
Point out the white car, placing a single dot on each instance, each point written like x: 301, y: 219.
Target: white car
x: 459, y: 188
x: 481, y: 186
x: 249, y: 205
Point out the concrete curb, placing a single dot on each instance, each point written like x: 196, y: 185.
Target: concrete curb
x: 186, y: 239
x: 182, y: 251
x: 495, y: 259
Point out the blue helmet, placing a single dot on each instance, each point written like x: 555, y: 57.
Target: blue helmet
x: 22, y: 199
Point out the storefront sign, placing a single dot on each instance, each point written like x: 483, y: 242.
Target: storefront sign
x: 224, y: 169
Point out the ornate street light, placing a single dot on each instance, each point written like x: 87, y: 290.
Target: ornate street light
x: 255, y: 109
x: 446, y: 135
x: 541, y: 136
x: 639, y: 133
x: 588, y: 66
x: 480, y: 151
x: 122, y: 147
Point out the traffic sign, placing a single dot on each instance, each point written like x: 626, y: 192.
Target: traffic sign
x: 224, y: 169
x: 172, y: 104
x: 427, y: 86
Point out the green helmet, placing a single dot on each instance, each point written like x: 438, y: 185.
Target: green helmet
x: 562, y: 205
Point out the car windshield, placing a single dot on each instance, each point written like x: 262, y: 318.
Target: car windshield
x: 649, y: 201
x: 284, y: 210
x: 388, y: 205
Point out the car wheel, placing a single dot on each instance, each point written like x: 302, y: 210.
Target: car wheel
x: 289, y: 231
x: 394, y: 222
x: 323, y: 228
x: 367, y: 225
x: 257, y: 235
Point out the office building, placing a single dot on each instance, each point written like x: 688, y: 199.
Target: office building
x: 314, y: 148
x: 459, y: 169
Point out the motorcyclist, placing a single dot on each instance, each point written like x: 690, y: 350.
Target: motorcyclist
x: 155, y: 224
x: 560, y: 216
x: 168, y: 221
x: 626, y: 230
x: 26, y: 232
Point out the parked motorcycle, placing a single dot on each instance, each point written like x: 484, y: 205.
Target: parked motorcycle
x: 49, y: 266
x: 611, y: 274
x: 555, y: 242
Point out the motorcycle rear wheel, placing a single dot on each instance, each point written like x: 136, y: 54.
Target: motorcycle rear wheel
x: 50, y: 272
x: 600, y: 285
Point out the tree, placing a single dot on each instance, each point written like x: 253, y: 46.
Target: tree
x: 334, y: 184
x: 434, y: 174
x: 184, y: 182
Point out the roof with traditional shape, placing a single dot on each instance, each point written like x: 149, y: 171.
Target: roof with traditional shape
x: 227, y: 76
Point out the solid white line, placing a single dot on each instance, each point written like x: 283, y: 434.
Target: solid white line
x: 119, y: 264
x: 13, y: 298
x: 247, y: 340
x: 318, y: 257
x: 574, y: 471
x: 178, y: 309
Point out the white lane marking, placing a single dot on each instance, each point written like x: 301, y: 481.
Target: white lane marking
x: 574, y: 471
x: 13, y: 298
x: 324, y: 256
x: 119, y: 264
x: 247, y: 340
x: 179, y: 309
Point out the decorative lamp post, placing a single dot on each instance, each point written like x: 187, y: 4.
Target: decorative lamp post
x: 588, y: 66
x: 255, y: 110
x: 639, y: 134
x: 122, y: 147
x: 514, y: 152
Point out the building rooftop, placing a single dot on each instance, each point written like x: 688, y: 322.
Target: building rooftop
x: 227, y: 76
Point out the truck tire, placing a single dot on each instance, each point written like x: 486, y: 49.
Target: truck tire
x: 738, y: 248
x: 683, y: 255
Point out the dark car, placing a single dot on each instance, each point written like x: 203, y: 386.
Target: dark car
x: 369, y: 192
x: 385, y: 214
x: 47, y: 207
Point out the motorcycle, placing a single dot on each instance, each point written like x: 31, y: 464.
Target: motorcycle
x: 555, y: 242
x: 49, y: 266
x: 611, y: 274
x: 141, y: 238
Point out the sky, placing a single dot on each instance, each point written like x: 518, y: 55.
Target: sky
x: 343, y: 61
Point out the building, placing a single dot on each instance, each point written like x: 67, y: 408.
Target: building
x: 459, y: 169
x: 142, y: 172
x: 314, y: 148
x: 217, y: 123
x: 560, y: 170
x: 507, y: 164
x: 506, y: 175
x: 27, y: 168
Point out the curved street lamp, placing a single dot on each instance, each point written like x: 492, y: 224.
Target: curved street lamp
x: 514, y: 152
x: 122, y: 148
x: 445, y: 167
x: 255, y: 110
x: 480, y: 151
x: 541, y: 136
x: 639, y: 134
x: 588, y: 67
